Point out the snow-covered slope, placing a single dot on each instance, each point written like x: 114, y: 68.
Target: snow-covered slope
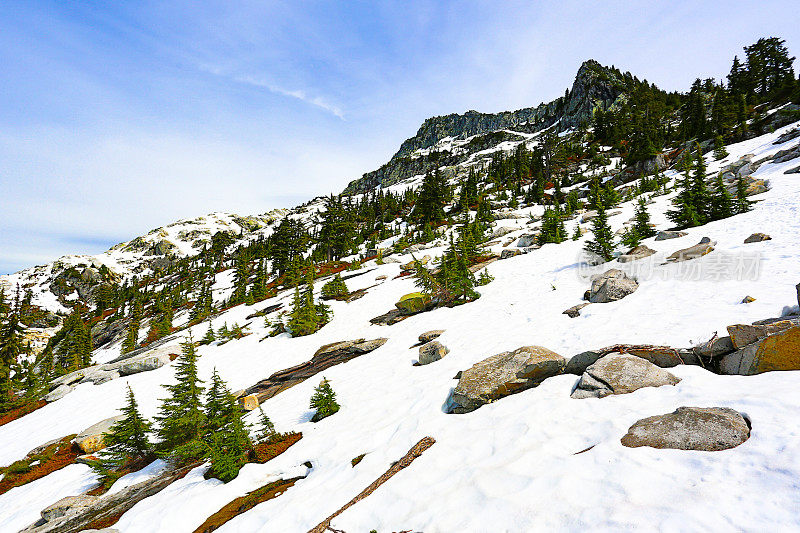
x: 511, y: 465
x: 138, y: 256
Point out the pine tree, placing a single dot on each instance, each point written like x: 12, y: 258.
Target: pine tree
x: 552, y: 227
x: 642, y: 224
x: 743, y: 205
x: 132, y: 337
x: 267, y: 431
x: 602, y: 242
x: 719, y: 148
x: 721, y: 204
x: 701, y: 198
x: 226, y: 439
x: 323, y: 401
x: 209, y: 337
x: 631, y: 238
x: 181, y: 417
x: 335, y: 288
x: 10, y: 350
x: 127, y: 440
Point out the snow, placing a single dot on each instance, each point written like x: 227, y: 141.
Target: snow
x: 21, y: 506
x: 510, y: 465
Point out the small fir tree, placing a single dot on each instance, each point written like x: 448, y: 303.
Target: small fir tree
x: 742, y: 203
x: 127, y: 440
x: 323, y: 401
x: 642, y: 224
x: 601, y: 244
x: 181, y: 417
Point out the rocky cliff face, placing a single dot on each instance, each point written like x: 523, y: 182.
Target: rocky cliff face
x: 594, y: 87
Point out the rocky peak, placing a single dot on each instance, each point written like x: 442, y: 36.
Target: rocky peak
x: 595, y: 86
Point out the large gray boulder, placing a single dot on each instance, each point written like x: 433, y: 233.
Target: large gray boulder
x: 504, y: 374
x: 690, y: 428
x: 611, y: 286
x: 432, y: 351
x: 620, y: 374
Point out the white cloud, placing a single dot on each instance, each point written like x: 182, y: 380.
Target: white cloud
x: 301, y: 95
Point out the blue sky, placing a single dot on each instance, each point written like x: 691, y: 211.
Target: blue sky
x: 118, y: 117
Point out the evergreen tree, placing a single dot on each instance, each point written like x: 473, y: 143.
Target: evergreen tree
x: 631, y: 238
x: 323, y: 401
x: 335, y: 288
x: 721, y: 204
x: 552, y: 227
x: 10, y: 349
x: 642, y: 224
x: 209, y: 337
x: 127, y: 440
x: 226, y: 439
x: 181, y: 417
x: 266, y: 431
x: 132, y: 337
x: 602, y: 240
x: 742, y: 203
x: 719, y: 148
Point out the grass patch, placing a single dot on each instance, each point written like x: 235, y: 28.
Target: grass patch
x: 245, y: 503
x: 21, y: 411
x: 54, y: 457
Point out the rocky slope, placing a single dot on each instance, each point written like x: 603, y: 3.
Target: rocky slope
x: 594, y: 87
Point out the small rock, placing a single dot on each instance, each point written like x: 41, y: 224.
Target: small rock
x: 504, y: 374
x: 410, y: 265
x: 704, y: 247
x: 428, y: 336
x: 249, y: 402
x: 640, y: 252
x: 432, y: 351
x: 575, y: 310
x: 380, y: 278
x: 578, y: 363
x: 90, y: 439
x: 748, y: 299
x: 757, y: 237
x: 620, y: 374
x: 716, y: 347
x: 667, y: 234
x: 708, y: 429
x: 505, y: 254
x: 529, y: 239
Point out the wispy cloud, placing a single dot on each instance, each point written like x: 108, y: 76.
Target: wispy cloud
x: 298, y: 94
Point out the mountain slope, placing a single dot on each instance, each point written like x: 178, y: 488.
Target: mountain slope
x: 513, y: 464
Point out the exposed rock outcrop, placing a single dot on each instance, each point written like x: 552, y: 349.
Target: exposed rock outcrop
x: 777, y: 351
x: 324, y: 358
x: 90, y: 439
